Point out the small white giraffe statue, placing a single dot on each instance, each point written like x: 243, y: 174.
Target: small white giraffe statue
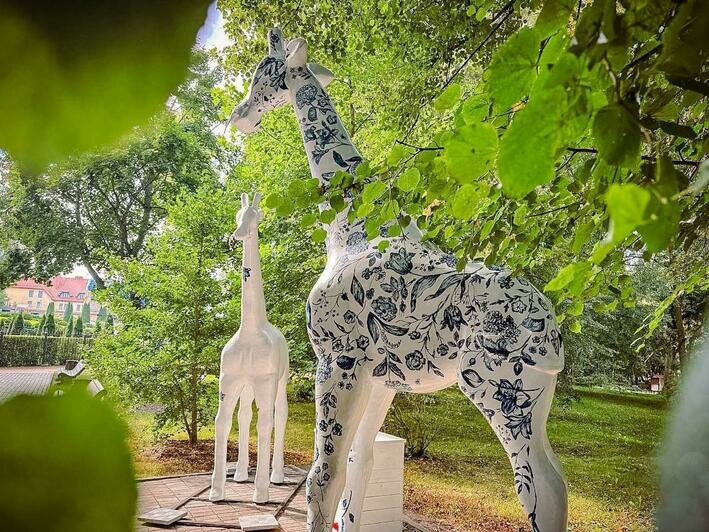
x: 254, y: 366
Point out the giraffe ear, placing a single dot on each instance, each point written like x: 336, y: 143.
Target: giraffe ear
x: 324, y: 75
x: 244, y: 199
x: 257, y: 198
x: 275, y: 43
x: 296, y: 52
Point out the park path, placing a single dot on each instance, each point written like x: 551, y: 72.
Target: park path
x: 31, y: 381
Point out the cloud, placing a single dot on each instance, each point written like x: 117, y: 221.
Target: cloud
x: 212, y: 33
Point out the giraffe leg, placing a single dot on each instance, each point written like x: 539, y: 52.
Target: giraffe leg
x: 339, y: 409
x: 228, y: 394
x: 516, y: 407
x: 281, y: 416
x: 265, y: 394
x: 246, y: 400
x: 361, y: 459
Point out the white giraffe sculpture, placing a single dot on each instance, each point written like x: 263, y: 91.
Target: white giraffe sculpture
x: 406, y: 319
x: 254, y: 365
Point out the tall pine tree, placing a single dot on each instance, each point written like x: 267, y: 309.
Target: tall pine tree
x: 79, y: 327
x: 69, y: 311
x: 50, y: 328
x: 86, y: 313
x: 69, y: 331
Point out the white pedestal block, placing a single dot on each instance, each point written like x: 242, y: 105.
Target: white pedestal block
x: 384, y: 499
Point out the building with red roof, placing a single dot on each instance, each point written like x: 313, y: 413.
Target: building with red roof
x: 33, y: 297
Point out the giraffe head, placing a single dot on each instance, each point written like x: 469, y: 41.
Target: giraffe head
x: 247, y: 218
x: 268, y: 88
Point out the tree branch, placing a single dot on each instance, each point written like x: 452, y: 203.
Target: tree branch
x: 679, y: 162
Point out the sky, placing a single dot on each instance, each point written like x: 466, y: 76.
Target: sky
x: 210, y: 35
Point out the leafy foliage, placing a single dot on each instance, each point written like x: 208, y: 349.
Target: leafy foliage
x: 569, y: 133
x: 173, y: 307
x: 88, y: 458
x: 70, y: 91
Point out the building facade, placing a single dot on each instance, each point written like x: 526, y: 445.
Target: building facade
x: 33, y: 297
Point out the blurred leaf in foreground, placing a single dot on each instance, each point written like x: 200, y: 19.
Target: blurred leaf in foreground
x: 66, y: 466
x: 77, y: 75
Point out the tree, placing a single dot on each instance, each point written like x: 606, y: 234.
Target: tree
x: 109, y: 323
x: 97, y: 328
x: 49, y: 325
x: 86, y: 313
x: 101, y: 316
x: 68, y: 311
x: 40, y: 326
x: 105, y: 204
x: 167, y: 349
x: 50, y: 309
x: 69, y: 331
x: 79, y: 328
x: 18, y: 324
x: 562, y: 133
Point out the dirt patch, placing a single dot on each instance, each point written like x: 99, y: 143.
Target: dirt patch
x: 182, y: 457
x: 445, y: 511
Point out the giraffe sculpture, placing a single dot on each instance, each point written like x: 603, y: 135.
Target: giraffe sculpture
x: 406, y: 320
x: 254, y: 365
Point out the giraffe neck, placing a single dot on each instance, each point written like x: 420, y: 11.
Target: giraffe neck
x: 253, y: 302
x: 326, y: 140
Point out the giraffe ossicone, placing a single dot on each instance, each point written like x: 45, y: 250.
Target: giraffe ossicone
x: 254, y: 366
x: 405, y: 319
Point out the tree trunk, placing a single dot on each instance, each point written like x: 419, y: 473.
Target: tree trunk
x: 680, y: 331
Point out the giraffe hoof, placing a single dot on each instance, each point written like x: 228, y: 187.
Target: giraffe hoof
x: 260, y: 496
x: 277, y: 477
x: 216, y: 494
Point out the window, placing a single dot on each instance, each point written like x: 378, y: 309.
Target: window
x: 30, y: 293
x: 40, y: 294
x: 39, y: 304
x: 64, y: 295
x: 61, y: 306
x: 80, y: 295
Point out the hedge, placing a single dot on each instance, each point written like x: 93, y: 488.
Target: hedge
x: 21, y: 350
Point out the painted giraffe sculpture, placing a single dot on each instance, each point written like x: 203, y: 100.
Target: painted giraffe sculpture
x: 254, y: 365
x: 406, y: 320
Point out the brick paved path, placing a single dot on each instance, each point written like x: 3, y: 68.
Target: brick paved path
x: 170, y: 492
x: 32, y: 381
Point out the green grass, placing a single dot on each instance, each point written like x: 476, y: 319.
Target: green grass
x: 606, y: 443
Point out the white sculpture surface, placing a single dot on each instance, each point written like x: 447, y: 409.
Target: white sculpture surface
x: 406, y: 319
x: 254, y: 365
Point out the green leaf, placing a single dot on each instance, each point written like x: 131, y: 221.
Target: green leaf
x: 365, y: 210
x: 272, y: 201
x: 617, y: 136
x: 328, y: 216
x: 520, y: 215
x: 66, y: 465
x: 409, y: 180
x: 319, y: 235
x: 663, y: 210
x: 467, y: 200
x: 470, y: 151
x: 486, y: 229
x: 575, y: 326
x: 581, y: 236
x: 308, y: 220
x: 528, y: 148
x: 397, y: 153
x: 372, y: 191
x: 566, y: 275
x: 554, y: 16
x: 337, y: 202
x: 67, y: 92
x: 383, y: 245
x: 475, y: 109
x: 576, y: 309
x: 448, y: 98
x: 626, y: 205
x: 513, y: 68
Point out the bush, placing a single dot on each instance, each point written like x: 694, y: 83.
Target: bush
x: 408, y: 419
x: 301, y: 388
x: 16, y: 350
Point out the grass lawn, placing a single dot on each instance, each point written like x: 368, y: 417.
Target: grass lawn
x: 606, y: 443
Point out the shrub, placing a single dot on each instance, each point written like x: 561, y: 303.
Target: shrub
x: 17, y: 350
x: 409, y: 420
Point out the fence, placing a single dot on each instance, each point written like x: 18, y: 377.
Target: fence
x: 21, y: 350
